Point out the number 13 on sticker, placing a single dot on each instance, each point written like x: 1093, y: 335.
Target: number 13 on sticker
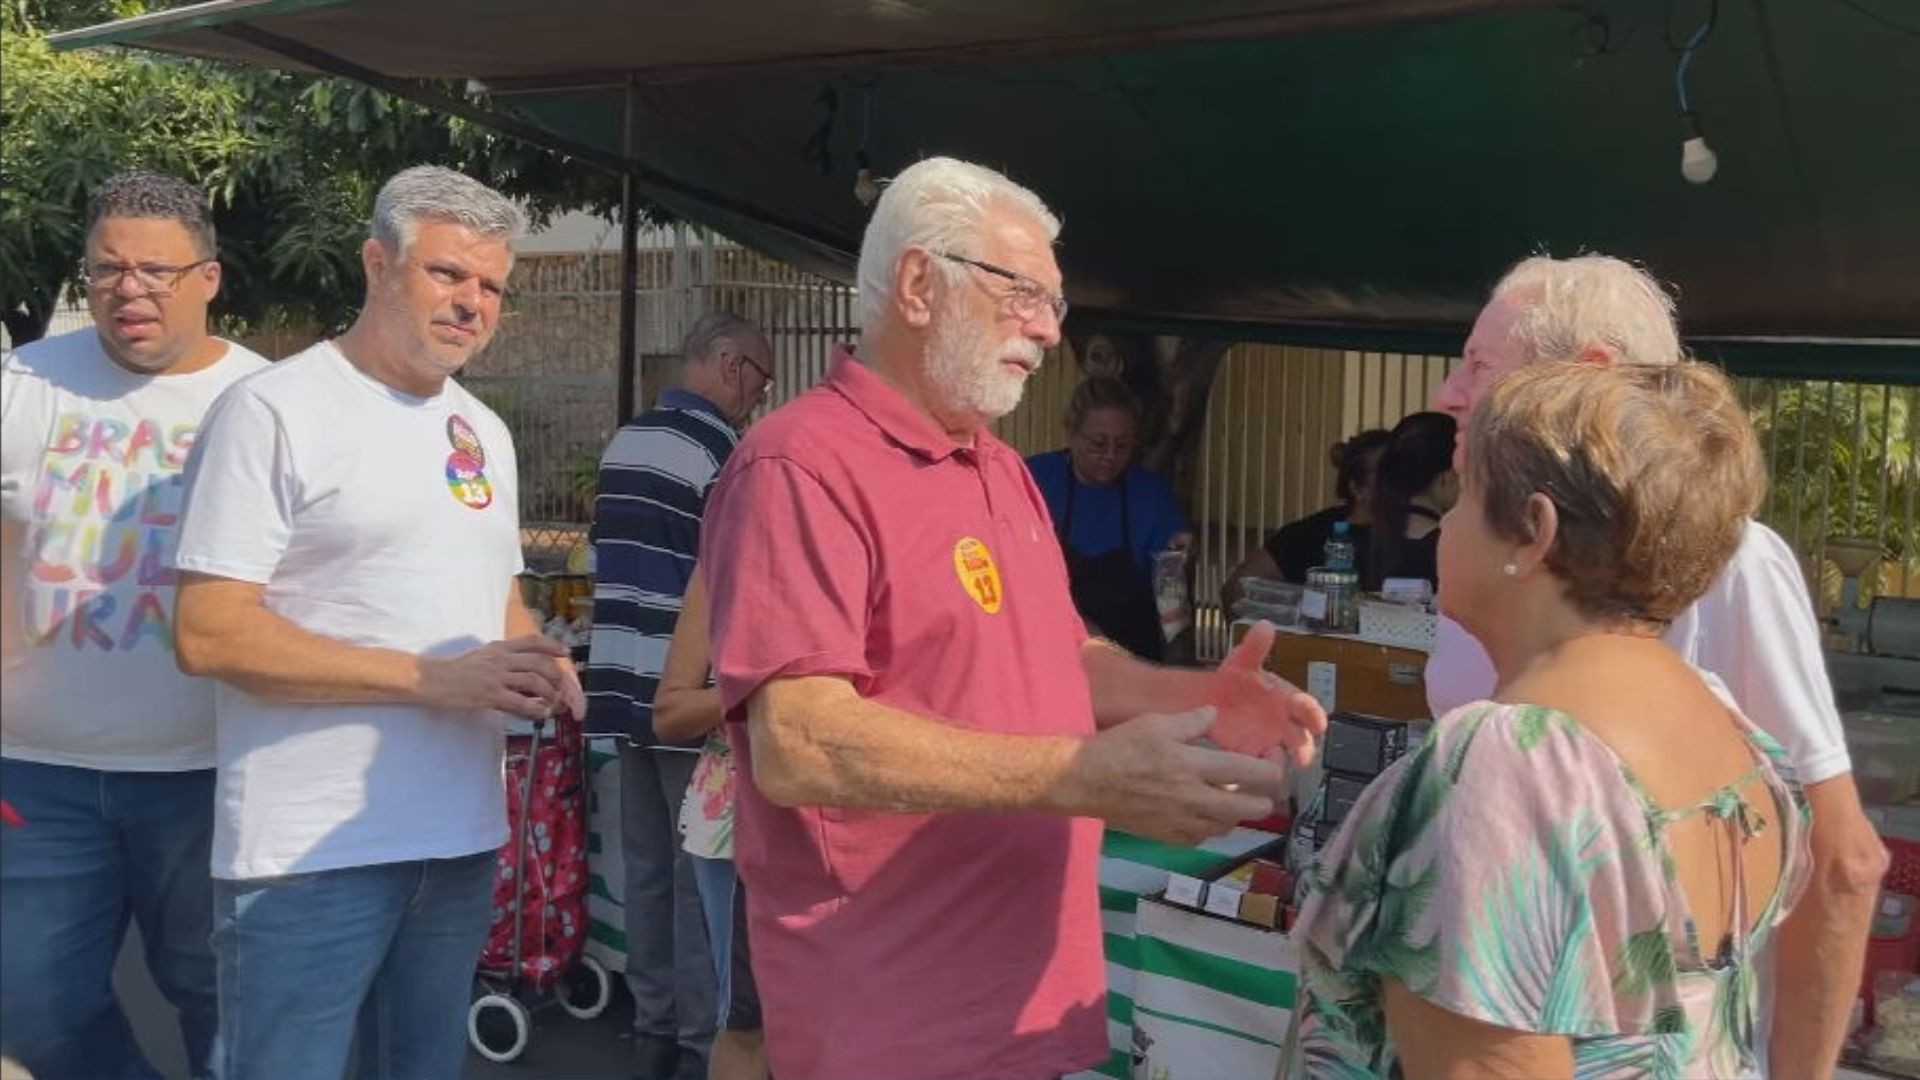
x: 974, y: 565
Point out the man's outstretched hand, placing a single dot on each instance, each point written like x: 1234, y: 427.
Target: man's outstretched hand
x: 1257, y: 712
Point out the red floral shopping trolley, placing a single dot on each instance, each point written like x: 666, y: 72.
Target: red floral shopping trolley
x: 535, y: 952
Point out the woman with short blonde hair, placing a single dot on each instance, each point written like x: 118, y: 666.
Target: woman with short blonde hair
x: 1575, y: 876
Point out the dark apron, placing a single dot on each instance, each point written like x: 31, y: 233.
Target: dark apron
x: 1109, y: 590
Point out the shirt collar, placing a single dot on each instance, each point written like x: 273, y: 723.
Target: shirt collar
x: 894, y: 415
x: 673, y: 397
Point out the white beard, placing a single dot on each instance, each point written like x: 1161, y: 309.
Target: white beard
x: 965, y: 370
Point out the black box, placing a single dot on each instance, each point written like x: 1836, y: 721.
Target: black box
x: 1362, y: 745
x: 1339, y: 791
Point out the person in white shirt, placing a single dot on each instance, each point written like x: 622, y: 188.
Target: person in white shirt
x: 1754, y: 629
x: 106, y: 749
x: 347, y: 562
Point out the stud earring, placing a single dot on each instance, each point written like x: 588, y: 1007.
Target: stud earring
x: 1511, y: 569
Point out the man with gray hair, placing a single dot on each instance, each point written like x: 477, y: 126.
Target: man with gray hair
x: 654, y: 480
x: 1754, y: 629
x: 928, y: 737
x: 347, y: 572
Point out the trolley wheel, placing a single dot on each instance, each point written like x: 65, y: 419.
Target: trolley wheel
x: 586, y: 990
x: 499, y: 1027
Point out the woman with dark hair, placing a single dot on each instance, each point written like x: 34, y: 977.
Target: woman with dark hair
x: 1113, y: 516
x: 1414, y: 485
x: 1300, y: 545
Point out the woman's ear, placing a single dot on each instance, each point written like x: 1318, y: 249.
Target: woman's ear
x: 1543, y: 522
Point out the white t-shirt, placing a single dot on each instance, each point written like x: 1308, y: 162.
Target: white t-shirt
x: 1754, y: 629
x: 377, y: 518
x: 90, y: 466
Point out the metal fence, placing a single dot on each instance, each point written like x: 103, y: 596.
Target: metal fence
x: 1844, y: 457
x: 551, y: 372
x: 1844, y: 464
x: 1275, y: 413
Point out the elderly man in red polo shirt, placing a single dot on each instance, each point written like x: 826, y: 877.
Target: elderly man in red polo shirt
x: 930, y: 738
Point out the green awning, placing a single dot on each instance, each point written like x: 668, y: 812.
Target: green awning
x: 1347, y: 173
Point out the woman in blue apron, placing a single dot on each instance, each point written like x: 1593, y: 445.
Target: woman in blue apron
x: 1112, y: 515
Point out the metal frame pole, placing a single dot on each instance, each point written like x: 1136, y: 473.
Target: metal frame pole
x: 629, y: 267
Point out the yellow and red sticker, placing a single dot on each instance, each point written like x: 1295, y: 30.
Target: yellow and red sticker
x: 978, y: 575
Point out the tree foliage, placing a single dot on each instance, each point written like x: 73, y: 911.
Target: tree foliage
x: 291, y: 163
x: 1845, y: 461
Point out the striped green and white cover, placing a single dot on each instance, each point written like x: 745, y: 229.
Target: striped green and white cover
x: 1130, y: 868
x: 607, y: 876
x: 1213, y: 997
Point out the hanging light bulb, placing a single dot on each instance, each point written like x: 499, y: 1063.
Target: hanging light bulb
x: 1698, y: 162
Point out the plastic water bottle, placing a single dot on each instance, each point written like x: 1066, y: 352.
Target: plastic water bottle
x: 1329, y: 602
x: 1339, y: 548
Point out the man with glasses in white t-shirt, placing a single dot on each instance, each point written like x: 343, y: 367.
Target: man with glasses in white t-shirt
x: 106, y: 749
x: 347, y: 559
x: 1754, y: 629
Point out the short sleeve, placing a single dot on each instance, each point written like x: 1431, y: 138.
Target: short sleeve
x: 509, y: 483
x: 1502, y: 874
x: 23, y: 438
x: 789, y: 578
x: 1755, y: 629
x: 240, y: 492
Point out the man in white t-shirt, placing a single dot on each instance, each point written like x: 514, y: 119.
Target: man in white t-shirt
x: 347, y: 559
x: 1754, y: 629
x: 106, y: 749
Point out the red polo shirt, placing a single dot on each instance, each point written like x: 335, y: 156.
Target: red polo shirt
x: 849, y: 536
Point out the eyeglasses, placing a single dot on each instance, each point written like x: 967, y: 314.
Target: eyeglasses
x: 766, y: 385
x: 158, y: 280
x: 1101, y: 446
x: 1026, y: 297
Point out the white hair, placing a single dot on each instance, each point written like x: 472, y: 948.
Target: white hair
x: 432, y: 193
x: 1568, y: 306
x: 938, y: 204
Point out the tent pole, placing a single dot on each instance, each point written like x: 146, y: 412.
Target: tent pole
x: 629, y: 268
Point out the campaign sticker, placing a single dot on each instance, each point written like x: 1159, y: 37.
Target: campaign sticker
x: 467, y: 479
x: 974, y: 564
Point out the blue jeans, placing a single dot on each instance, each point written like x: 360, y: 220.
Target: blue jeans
x: 96, y: 849
x: 716, y: 880
x: 387, y: 952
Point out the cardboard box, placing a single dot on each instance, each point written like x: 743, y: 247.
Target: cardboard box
x: 1184, y: 890
x: 1359, y: 676
x: 1223, y: 898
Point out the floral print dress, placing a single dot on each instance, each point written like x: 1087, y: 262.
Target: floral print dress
x: 1512, y: 870
x: 706, y: 814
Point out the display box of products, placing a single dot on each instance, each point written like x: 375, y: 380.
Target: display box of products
x: 1257, y: 889
x: 1215, y: 992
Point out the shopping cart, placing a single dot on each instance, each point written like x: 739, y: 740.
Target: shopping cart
x: 535, y: 954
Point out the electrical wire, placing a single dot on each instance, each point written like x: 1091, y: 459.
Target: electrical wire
x: 1687, y: 52
x: 1686, y: 62
x: 1883, y: 20
x: 1666, y: 24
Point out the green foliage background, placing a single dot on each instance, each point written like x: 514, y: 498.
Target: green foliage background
x: 291, y: 163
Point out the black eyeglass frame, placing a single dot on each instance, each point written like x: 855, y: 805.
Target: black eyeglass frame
x: 1040, y: 293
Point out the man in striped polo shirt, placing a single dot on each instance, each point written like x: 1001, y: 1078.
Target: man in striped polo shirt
x: 654, y: 480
